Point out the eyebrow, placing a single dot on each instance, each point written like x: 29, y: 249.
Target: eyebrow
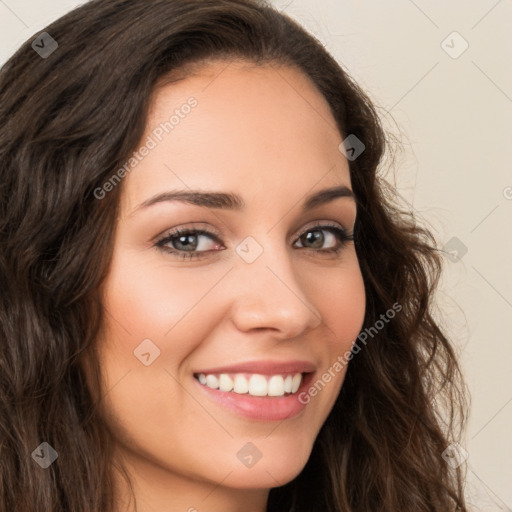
x: 230, y: 201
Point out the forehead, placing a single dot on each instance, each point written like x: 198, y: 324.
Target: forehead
x: 251, y: 128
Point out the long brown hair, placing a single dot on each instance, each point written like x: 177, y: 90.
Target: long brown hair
x: 68, y: 122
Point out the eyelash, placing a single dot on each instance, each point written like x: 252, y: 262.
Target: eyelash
x: 340, y: 233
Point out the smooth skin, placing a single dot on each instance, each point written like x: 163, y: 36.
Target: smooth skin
x: 266, y: 134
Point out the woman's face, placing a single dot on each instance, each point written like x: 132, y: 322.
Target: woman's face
x: 257, y: 300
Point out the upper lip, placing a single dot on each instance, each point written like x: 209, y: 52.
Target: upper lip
x: 264, y: 367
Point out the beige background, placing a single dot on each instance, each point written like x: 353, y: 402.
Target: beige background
x: 454, y: 113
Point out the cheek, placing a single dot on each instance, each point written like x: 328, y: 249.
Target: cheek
x: 149, y: 300
x: 341, y: 300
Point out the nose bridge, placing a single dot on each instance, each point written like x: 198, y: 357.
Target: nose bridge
x: 268, y: 293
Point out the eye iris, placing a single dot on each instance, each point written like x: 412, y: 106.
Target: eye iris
x: 316, y: 237
x: 186, y: 245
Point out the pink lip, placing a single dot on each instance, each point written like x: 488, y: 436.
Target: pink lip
x: 263, y: 408
x: 263, y: 367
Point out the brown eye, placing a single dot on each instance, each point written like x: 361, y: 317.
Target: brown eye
x: 188, y: 243
x: 317, y: 236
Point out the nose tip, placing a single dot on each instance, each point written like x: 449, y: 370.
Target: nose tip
x: 273, y: 301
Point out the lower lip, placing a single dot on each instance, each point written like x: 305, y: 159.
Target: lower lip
x: 263, y: 408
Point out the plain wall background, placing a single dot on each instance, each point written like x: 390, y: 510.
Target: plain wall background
x: 456, y: 118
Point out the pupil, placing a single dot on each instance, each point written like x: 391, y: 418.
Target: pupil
x: 315, y: 236
x: 185, y: 237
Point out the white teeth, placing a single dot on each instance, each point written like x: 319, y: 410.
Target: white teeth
x: 276, y: 386
x: 241, y: 385
x: 225, y: 382
x: 257, y: 385
x: 212, y: 381
x: 297, y: 379
x: 287, y: 384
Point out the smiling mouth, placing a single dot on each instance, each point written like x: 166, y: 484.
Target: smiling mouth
x: 253, y: 384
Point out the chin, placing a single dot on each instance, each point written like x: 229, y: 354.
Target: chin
x: 278, y: 468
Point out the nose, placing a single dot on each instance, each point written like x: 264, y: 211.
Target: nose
x: 267, y: 294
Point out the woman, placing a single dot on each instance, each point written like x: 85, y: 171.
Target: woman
x: 170, y: 340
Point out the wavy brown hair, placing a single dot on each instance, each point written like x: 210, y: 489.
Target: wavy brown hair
x: 67, y: 123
